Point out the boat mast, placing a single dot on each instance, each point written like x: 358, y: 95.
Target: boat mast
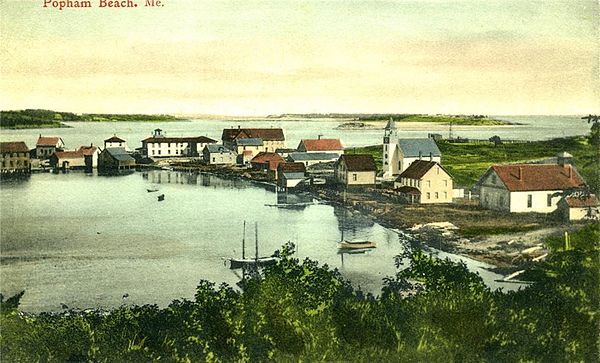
x: 256, y: 239
x: 244, y: 242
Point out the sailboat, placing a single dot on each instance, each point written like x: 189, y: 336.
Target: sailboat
x: 345, y: 246
x: 237, y: 263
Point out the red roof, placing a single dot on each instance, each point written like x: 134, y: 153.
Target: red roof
x: 264, y: 134
x: 358, y: 162
x: 291, y: 168
x: 576, y: 201
x: 13, y: 147
x: 68, y: 154
x: 47, y: 141
x: 273, y: 159
x: 87, y: 150
x: 531, y: 177
x: 321, y: 144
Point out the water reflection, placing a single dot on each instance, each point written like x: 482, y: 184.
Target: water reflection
x: 91, y: 239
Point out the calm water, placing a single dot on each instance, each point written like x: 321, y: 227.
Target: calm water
x: 533, y: 128
x: 86, y: 240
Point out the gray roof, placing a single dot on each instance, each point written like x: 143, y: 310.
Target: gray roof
x: 294, y: 175
x: 418, y: 147
x: 119, y: 154
x: 249, y: 142
x: 299, y: 156
x: 215, y: 148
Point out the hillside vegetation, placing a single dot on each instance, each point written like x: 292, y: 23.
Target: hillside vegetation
x: 467, y: 161
x: 47, y: 118
x: 431, y: 311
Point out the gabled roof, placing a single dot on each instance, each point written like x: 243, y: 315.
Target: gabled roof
x: 193, y: 139
x: 119, y: 153
x: 412, y: 148
x: 581, y: 201
x: 71, y: 154
x: 87, y: 150
x: 264, y: 157
x: 13, y: 147
x: 48, y: 141
x: 249, y: 142
x: 299, y: 156
x: 291, y: 168
x: 320, y: 144
x: 418, y: 168
x: 532, y: 177
x: 249, y: 133
x: 358, y: 162
x: 114, y: 139
x: 216, y: 148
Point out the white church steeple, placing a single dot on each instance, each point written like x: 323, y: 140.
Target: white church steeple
x: 390, y: 150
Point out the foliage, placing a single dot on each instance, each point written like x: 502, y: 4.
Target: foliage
x: 431, y: 310
x: 47, y: 118
x: 468, y: 161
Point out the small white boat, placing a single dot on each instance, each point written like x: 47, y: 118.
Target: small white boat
x: 356, y: 245
x: 152, y: 190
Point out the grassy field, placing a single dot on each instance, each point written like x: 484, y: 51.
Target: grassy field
x: 456, y: 120
x: 467, y: 162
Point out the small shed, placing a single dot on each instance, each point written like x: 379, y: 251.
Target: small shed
x: 579, y: 206
x: 115, y: 159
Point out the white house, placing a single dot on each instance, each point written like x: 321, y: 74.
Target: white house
x: 214, y: 154
x: 160, y: 146
x: 47, y: 145
x: 527, y: 187
x: 115, y: 141
x: 398, y: 154
x: 579, y: 206
x: 356, y: 170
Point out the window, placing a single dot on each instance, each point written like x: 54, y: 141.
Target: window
x: 429, y: 183
x: 549, y: 201
x: 493, y: 179
x: 445, y: 182
x: 354, y: 177
x: 385, y: 148
x: 158, y: 152
x: 437, y: 195
x: 445, y: 195
x: 428, y: 195
x: 213, y: 159
x: 529, y: 200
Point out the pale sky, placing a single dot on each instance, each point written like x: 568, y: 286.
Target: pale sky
x: 258, y: 58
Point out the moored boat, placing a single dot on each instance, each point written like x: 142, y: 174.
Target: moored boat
x: 356, y: 245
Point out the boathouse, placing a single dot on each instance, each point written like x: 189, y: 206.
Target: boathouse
x: 14, y: 158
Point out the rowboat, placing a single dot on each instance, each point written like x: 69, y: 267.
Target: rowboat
x: 356, y: 245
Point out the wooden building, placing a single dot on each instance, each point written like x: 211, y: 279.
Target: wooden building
x: 14, y: 158
x: 425, y: 182
x: 115, y: 159
x: 356, y: 170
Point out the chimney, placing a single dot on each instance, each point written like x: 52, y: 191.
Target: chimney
x: 570, y: 172
x: 520, y: 173
x: 430, y: 156
x: 239, y: 127
x: 420, y: 155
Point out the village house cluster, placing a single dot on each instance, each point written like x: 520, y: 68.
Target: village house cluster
x: 411, y: 168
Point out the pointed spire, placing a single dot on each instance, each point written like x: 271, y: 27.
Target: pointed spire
x: 390, y: 125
